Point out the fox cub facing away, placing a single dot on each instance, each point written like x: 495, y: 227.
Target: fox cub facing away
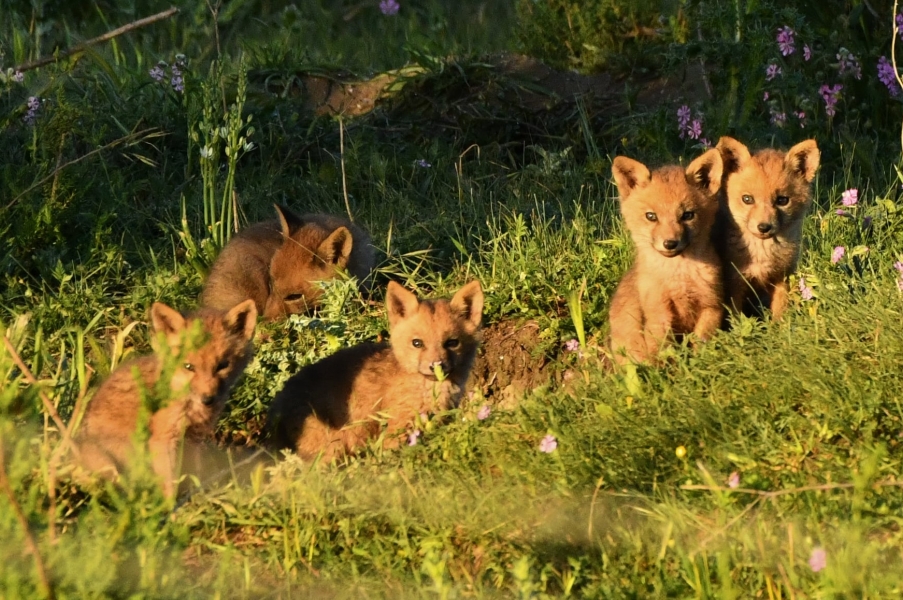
x: 277, y: 263
x: 674, y: 286
x: 333, y: 406
x: 198, y: 391
x: 760, y: 224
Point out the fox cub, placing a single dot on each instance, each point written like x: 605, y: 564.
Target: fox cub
x: 333, y: 406
x: 764, y: 199
x: 674, y: 286
x: 277, y: 263
x: 198, y: 391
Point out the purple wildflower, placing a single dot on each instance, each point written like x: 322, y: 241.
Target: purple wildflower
x: 866, y: 222
x: 178, y: 84
x: 818, y: 560
x: 847, y: 64
x: 34, y: 105
x: 785, y: 41
x: 805, y: 290
x: 695, y: 129
x: 850, y: 197
x: 412, y: 437
x: 807, y: 52
x: 389, y: 7
x: 888, y: 76
x: 802, y: 118
x: 548, y: 444
x: 683, y: 119
x: 572, y: 345
x: 831, y: 95
x: 423, y: 164
x: 765, y: 97
x: 837, y: 254
x: 484, y: 413
x: 772, y: 71
x: 898, y: 20
x: 733, y: 481
x: 157, y: 73
x: 778, y: 119
x: 706, y: 142
x: 843, y: 213
x: 18, y: 76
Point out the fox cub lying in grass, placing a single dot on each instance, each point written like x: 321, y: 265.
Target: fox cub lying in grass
x: 204, y: 374
x: 335, y: 405
x: 278, y: 263
x: 764, y: 198
x: 675, y: 284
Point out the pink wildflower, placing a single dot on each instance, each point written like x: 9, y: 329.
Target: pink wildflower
x: 837, y: 254
x: 785, y: 41
x: 548, y: 444
x: 772, y: 71
x: 818, y: 560
x: 850, y: 197
x: 733, y: 481
x: 484, y: 413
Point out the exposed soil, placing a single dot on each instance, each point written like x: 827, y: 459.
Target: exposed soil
x: 538, y: 87
x: 510, y: 363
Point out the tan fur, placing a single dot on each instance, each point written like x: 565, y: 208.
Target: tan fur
x: 757, y: 263
x: 199, y: 389
x: 333, y: 406
x: 673, y: 290
x: 277, y: 263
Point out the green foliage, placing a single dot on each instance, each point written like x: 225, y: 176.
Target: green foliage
x: 594, y: 34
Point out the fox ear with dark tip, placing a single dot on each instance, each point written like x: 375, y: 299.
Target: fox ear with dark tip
x: 803, y: 159
x: 166, y: 320
x: 468, y: 302
x: 705, y: 172
x: 400, y: 303
x: 734, y: 155
x: 629, y: 175
x: 336, y: 249
x: 289, y: 222
x: 242, y: 319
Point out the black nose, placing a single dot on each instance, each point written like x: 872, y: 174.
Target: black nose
x: 670, y: 244
x: 209, y: 400
x: 764, y: 227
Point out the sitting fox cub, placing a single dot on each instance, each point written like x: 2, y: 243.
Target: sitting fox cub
x: 760, y: 223
x: 199, y: 389
x: 277, y: 263
x: 674, y: 286
x: 333, y: 406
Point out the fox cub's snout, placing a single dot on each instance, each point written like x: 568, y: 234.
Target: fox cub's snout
x: 670, y: 211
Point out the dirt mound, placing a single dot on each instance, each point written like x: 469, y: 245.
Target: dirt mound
x: 510, y: 363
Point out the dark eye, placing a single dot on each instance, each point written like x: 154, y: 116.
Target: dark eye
x: 222, y: 365
x: 452, y: 343
x: 417, y: 343
x: 188, y: 367
x: 294, y: 297
x: 651, y: 216
x: 688, y: 215
x: 747, y: 199
x: 781, y: 201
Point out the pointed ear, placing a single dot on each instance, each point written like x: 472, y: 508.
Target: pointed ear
x: 734, y: 155
x: 336, y: 249
x: 400, y: 303
x: 166, y: 320
x: 468, y: 302
x: 629, y: 175
x: 242, y: 319
x: 705, y: 172
x: 803, y: 159
x: 289, y: 222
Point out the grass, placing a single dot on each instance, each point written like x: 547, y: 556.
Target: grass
x: 634, y: 502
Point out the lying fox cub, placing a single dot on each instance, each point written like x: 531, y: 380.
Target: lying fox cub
x: 198, y: 392
x: 674, y: 286
x: 278, y: 263
x: 333, y: 406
